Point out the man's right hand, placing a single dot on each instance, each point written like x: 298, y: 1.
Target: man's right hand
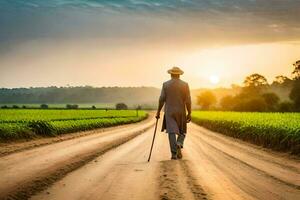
x: 157, y: 115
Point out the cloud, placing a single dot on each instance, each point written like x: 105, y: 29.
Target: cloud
x: 180, y: 21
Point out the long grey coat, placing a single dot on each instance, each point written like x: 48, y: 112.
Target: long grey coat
x: 175, y: 95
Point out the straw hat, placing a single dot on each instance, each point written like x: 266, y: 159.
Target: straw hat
x: 175, y: 70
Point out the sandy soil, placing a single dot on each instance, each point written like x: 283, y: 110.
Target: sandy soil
x: 26, y: 172
x: 113, y: 165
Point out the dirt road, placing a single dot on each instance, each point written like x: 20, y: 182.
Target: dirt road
x: 112, y: 165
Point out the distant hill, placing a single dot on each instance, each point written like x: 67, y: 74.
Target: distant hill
x: 61, y: 95
x: 145, y: 96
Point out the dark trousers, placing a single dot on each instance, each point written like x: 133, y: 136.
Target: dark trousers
x: 175, y: 141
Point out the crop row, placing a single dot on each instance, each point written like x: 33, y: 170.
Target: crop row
x: 27, y: 115
x: 35, y: 128
x: 279, y: 131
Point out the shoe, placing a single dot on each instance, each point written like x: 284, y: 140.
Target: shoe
x: 174, y: 157
x: 178, y: 153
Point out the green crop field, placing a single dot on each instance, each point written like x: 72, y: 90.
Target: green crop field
x: 279, y: 131
x: 28, y: 123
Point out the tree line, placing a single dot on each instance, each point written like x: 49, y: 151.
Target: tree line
x: 79, y: 95
x: 118, y: 106
x: 255, y: 95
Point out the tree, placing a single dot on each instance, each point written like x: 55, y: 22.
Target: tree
x: 139, y: 107
x: 255, y: 80
x: 93, y: 107
x: 255, y: 104
x: 285, y: 106
x: 227, y: 102
x: 44, y: 106
x: 271, y: 100
x: 206, y: 100
x: 295, y: 95
x: 72, y: 106
x: 121, y: 106
x: 296, y: 72
x: 281, y: 80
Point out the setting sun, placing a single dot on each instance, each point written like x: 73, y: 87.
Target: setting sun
x: 214, y: 79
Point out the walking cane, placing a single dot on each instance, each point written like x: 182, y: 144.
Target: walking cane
x: 153, y: 140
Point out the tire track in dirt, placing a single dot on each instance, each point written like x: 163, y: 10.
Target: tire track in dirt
x: 15, y: 147
x: 265, y: 155
x: 250, y: 190
x: 41, y: 182
x: 176, y: 182
x: 252, y: 167
x: 242, y: 162
x: 196, y: 189
x: 247, y: 178
x: 122, y: 173
x: 168, y: 181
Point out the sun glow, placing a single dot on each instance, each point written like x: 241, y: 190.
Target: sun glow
x: 214, y: 79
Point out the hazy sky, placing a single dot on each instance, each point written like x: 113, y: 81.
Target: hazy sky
x: 134, y: 42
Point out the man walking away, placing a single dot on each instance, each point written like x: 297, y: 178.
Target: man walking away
x: 175, y: 95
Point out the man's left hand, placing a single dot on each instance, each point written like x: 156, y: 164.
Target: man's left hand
x: 188, y: 118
